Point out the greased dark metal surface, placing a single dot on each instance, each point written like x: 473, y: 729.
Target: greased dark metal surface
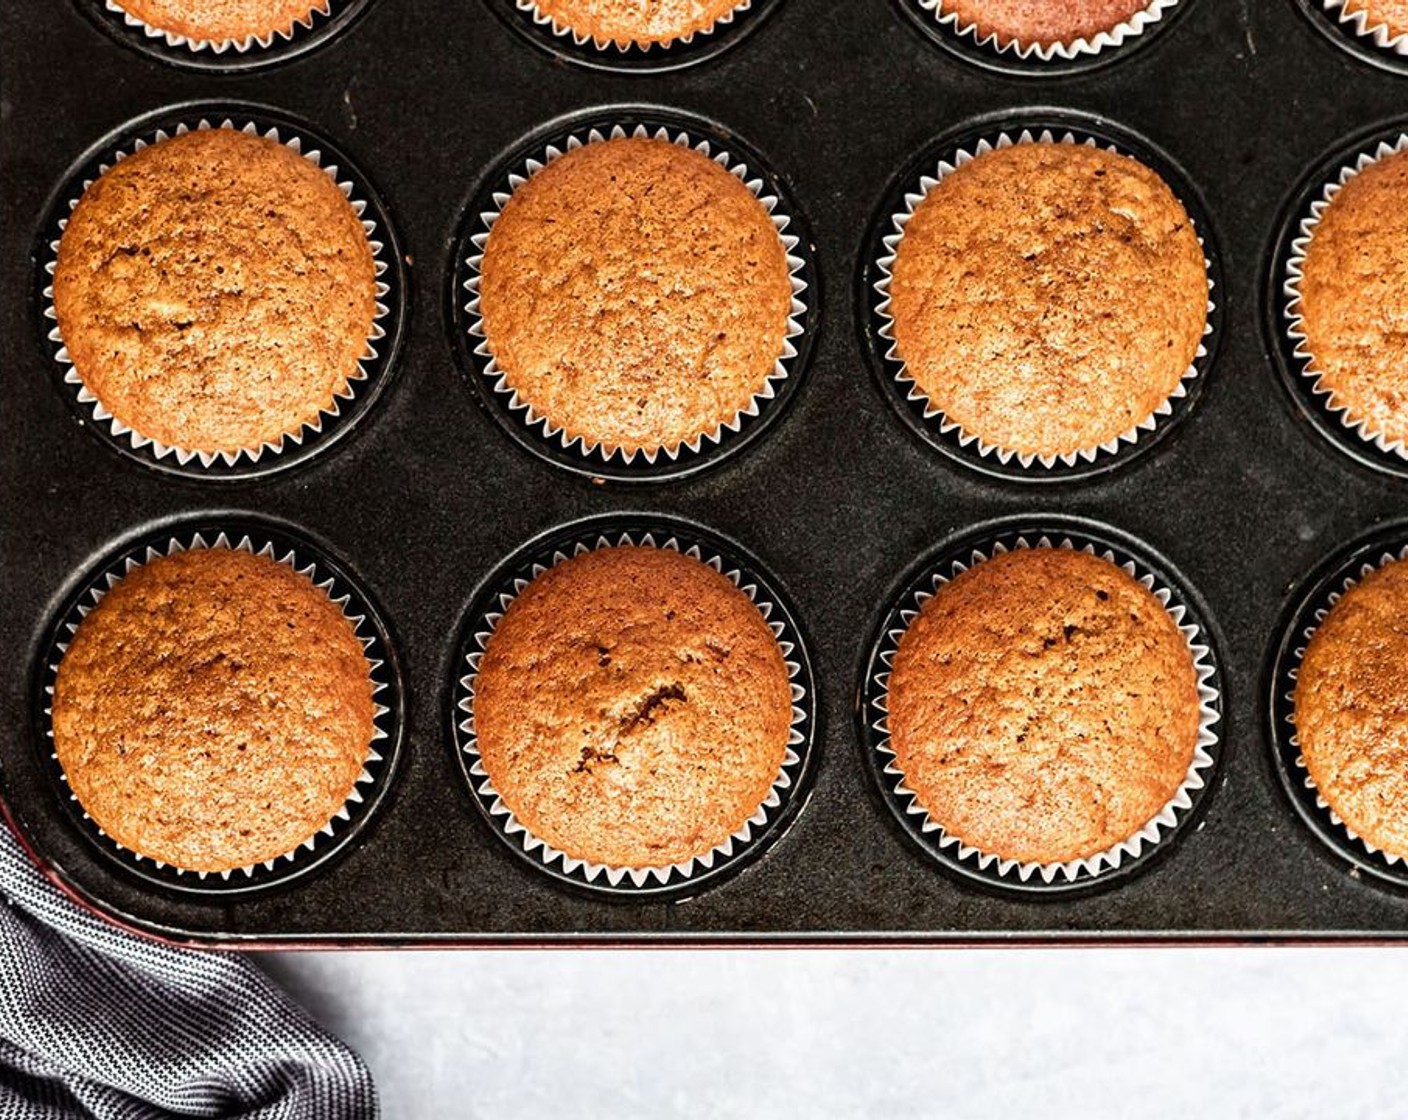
x: 838, y: 499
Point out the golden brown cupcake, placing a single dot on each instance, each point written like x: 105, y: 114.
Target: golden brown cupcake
x: 1354, y: 299
x: 221, y: 21
x: 1048, y: 298
x: 635, y: 294
x: 1043, y: 23
x: 1351, y: 708
x: 1044, y: 706
x: 1391, y: 15
x: 637, y: 23
x: 215, y: 291
x: 213, y: 711
x: 632, y: 707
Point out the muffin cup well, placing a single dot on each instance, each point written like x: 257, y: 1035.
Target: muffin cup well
x: 259, y: 537
x: 1295, y: 362
x: 328, y: 19
x: 1319, y: 593
x: 364, y: 384
x: 956, y: 556
x: 1355, y: 33
x: 784, y: 800
x: 909, y: 189
x: 560, y: 40
x: 538, y: 434
x: 1034, y: 59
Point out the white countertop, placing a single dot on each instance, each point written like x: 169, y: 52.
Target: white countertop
x: 1146, y: 1033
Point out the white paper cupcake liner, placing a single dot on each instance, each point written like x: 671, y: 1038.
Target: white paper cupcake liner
x: 1293, y: 673
x: 673, y: 874
x: 936, y: 415
x: 1110, y: 859
x: 1290, y: 290
x: 383, y: 718
x: 220, y: 46
x: 562, y: 31
x: 1117, y: 36
x: 542, y: 425
x: 186, y: 457
x: 1358, y: 23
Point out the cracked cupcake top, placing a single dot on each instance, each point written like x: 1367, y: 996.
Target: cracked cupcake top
x: 632, y: 707
x: 1043, y: 706
x: 635, y: 294
x: 215, y: 291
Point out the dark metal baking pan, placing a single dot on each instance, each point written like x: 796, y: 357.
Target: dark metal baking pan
x: 837, y: 499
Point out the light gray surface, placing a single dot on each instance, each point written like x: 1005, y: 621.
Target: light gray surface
x: 1145, y: 1033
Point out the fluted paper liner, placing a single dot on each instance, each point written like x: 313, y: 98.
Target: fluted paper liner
x: 1153, y: 831
x: 677, y: 873
x: 1293, y: 673
x: 220, y: 46
x: 1359, y: 24
x: 187, y: 457
x: 782, y: 368
x: 289, y: 557
x: 562, y: 31
x: 1116, y: 36
x: 1290, y: 290
x: 932, y: 413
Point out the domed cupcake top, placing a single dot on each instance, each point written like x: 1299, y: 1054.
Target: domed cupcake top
x: 222, y: 21
x: 215, y: 291
x: 1351, y: 708
x: 1048, y: 298
x: 629, y: 23
x: 635, y: 294
x: 1043, y: 706
x: 1042, y: 22
x: 214, y: 710
x: 1353, y: 299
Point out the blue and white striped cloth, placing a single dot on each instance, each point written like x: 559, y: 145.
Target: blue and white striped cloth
x: 97, y: 1023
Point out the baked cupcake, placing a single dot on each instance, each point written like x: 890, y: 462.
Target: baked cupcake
x: 1351, y: 709
x: 1044, y: 23
x: 1048, y: 298
x: 215, y: 292
x: 213, y: 711
x: 632, y: 708
x: 1043, y: 706
x: 1353, y: 300
x: 224, y: 21
x: 635, y: 295
x: 636, y: 23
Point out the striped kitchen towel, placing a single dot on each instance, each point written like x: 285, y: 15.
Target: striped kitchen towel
x: 95, y: 1022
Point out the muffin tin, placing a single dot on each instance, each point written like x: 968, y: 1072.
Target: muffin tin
x: 837, y: 498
